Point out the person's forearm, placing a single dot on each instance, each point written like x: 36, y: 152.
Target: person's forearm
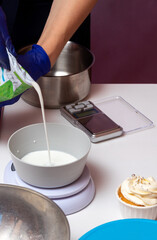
x: 64, y: 19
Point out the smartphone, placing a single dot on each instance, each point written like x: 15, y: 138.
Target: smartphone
x: 90, y: 119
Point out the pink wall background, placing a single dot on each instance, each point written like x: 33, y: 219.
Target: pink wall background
x: 124, y: 41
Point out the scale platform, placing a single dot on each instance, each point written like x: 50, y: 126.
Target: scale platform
x: 71, y: 198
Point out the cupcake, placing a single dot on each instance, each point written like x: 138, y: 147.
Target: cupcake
x: 138, y: 197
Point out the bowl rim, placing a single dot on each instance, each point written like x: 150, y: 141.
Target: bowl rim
x: 72, y: 74
x: 42, y: 196
x: 132, y: 206
x: 49, y: 123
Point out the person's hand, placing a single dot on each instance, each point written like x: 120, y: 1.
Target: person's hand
x: 36, y: 61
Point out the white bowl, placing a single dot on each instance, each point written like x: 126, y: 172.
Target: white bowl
x: 61, y: 138
x: 131, y: 211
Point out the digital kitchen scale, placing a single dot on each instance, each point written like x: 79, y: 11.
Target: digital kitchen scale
x: 105, y: 118
x: 71, y: 198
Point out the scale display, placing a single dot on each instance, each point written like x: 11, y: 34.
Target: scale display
x: 89, y: 118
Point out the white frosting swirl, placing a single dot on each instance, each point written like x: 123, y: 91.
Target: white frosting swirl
x: 139, y: 190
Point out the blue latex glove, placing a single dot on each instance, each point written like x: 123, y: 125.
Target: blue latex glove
x: 36, y: 61
x: 5, y: 41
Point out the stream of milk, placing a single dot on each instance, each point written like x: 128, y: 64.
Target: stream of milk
x: 46, y: 157
x: 38, y: 90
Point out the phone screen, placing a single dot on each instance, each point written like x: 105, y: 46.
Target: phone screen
x: 98, y: 123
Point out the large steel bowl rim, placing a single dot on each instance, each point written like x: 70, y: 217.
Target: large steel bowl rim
x: 41, y: 196
x: 70, y: 74
x: 34, y: 193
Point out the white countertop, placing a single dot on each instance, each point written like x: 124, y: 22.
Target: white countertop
x: 109, y: 162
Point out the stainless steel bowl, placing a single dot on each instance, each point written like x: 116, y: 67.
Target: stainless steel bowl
x: 68, y: 81
x: 26, y: 214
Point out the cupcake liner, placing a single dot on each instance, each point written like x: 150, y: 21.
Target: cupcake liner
x: 131, y: 211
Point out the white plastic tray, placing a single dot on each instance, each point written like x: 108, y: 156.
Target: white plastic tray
x: 124, y: 114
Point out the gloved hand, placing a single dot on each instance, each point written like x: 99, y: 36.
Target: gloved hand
x: 36, y: 61
x: 5, y: 41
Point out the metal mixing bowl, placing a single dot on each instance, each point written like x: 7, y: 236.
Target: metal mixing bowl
x: 26, y: 214
x: 68, y: 81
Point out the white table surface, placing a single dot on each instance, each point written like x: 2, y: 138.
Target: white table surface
x: 109, y: 162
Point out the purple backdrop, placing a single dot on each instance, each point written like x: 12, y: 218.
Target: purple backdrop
x: 124, y: 41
